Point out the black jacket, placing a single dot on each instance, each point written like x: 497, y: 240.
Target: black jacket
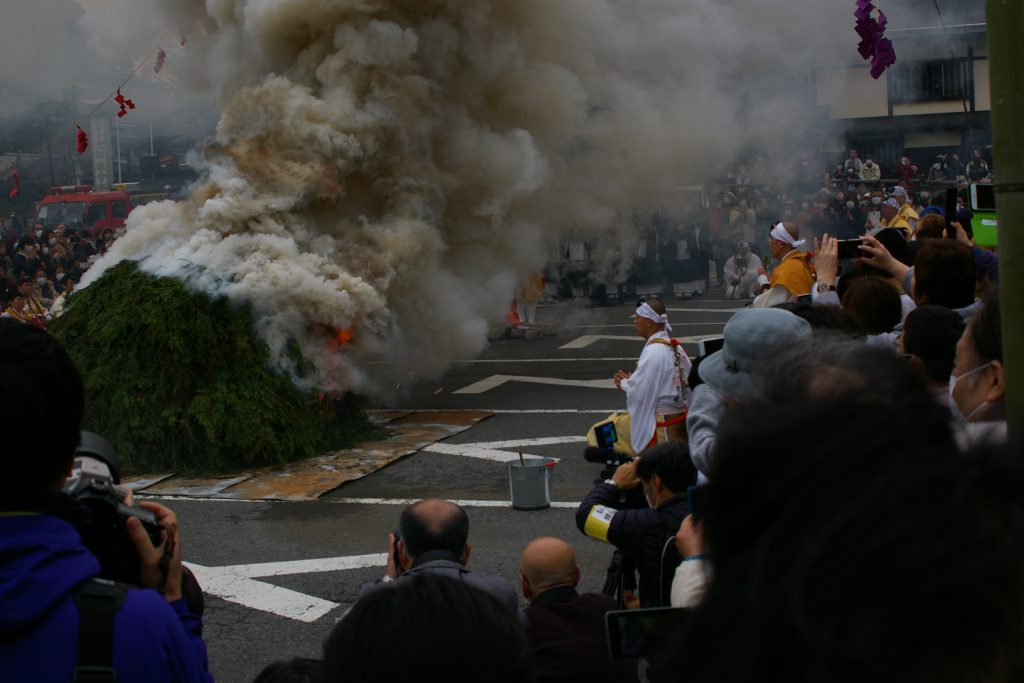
x: 567, y: 637
x: 646, y: 535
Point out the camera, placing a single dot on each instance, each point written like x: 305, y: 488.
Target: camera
x: 94, y: 484
x: 604, y: 452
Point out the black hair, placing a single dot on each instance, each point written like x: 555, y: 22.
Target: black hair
x: 895, y: 242
x: 44, y: 399
x: 944, y: 274
x: 873, y: 303
x: 823, y: 366
x: 930, y: 334
x: 986, y: 329
x: 296, y: 670
x: 822, y: 317
x: 428, y: 627
x: 845, y: 547
x: 671, y: 461
x: 656, y: 304
x: 420, y: 533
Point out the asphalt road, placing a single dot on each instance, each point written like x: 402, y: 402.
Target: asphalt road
x: 251, y: 630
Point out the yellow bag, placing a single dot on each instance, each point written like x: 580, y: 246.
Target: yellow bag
x: 621, y: 422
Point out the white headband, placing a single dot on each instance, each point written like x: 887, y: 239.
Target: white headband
x: 645, y: 311
x: 780, y: 233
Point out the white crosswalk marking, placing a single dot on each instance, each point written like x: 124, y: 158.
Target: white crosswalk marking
x: 495, y: 381
x: 492, y: 450
x: 237, y: 583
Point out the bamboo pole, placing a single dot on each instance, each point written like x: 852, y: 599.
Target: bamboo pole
x: 1005, y: 19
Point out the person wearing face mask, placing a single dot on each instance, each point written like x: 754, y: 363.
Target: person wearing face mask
x: 848, y: 217
x: 45, y: 290
x: 977, y: 385
x: 26, y: 259
x: 647, y: 536
x: 870, y: 172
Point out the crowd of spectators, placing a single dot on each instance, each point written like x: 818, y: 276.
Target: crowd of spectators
x: 39, y: 268
x: 684, y: 252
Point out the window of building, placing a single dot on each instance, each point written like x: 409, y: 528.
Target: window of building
x: 947, y: 79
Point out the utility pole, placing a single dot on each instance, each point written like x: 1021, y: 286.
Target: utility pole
x: 1005, y: 19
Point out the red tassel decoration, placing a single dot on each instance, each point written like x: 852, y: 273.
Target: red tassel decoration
x: 160, y: 57
x: 83, y: 140
x: 14, y: 190
x: 124, y: 103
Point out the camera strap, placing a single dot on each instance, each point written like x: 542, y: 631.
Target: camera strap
x: 98, y: 601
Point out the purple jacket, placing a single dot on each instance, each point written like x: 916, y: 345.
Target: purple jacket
x: 42, y: 561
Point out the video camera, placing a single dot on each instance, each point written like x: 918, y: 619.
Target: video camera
x: 94, y: 484
x: 604, y: 453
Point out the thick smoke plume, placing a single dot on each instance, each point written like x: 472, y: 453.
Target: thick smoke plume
x: 394, y: 168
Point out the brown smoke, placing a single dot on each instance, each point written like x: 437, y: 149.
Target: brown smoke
x: 394, y: 168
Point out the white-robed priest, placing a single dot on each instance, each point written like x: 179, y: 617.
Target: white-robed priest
x: 656, y: 391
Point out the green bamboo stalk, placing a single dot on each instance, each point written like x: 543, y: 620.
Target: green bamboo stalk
x: 1005, y: 20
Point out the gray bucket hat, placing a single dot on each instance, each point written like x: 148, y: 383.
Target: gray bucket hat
x: 750, y: 338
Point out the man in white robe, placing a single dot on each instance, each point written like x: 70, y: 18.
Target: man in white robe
x: 656, y: 391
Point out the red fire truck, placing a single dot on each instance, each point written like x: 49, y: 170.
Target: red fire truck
x: 77, y: 207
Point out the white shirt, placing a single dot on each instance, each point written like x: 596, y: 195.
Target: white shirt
x: 654, y: 388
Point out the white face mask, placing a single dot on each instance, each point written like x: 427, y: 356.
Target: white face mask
x: 53, y: 241
x: 953, y: 407
x: 850, y: 205
x: 40, y: 281
x: 39, y: 233
x: 876, y: 201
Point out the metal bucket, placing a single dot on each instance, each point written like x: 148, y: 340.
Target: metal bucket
x: 529, y: 481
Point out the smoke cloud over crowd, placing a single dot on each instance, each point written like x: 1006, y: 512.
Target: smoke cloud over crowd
x: 394, y: 168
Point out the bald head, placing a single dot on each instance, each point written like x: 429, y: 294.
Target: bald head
x: 434, y: 524
x: 547, y: 562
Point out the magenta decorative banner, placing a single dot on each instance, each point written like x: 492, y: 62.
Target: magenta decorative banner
x: 873, y: 43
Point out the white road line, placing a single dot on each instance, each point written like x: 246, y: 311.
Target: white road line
x: 538, y: 441
x: 512, y: 411
x: 314, y: 566
x: 492, y: 450
x: 356, y: 501
x: 704, y: 310
x: 461, y: 503
x: 588, y: 339
x: 235, y: 583
x: 497, y: 380
x: 261, y: 596
x: 546, y: 360
x: 632, y: 326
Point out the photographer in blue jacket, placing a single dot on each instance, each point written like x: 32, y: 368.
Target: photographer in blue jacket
x: 58, y: 620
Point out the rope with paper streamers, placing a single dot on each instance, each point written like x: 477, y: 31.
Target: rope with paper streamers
x: 123, y: 102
